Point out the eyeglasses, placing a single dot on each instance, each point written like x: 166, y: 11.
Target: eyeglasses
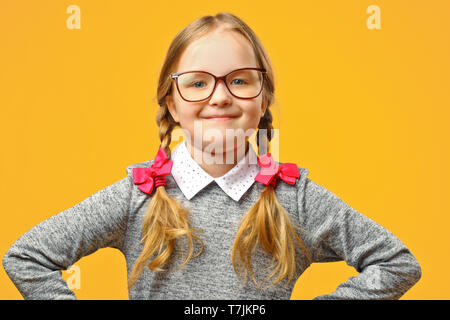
x: 244, y: 83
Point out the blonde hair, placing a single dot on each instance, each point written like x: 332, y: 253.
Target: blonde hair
x: 266, y: 223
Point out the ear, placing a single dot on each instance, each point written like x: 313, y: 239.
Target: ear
x: 171, y: 107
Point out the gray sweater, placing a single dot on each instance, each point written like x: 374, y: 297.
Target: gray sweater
x: 112, y: 217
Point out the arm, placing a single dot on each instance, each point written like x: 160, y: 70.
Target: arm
x: 34, y: 262
x: 386, y: 267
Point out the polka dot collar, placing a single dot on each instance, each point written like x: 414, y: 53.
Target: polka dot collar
x: 191, y: 178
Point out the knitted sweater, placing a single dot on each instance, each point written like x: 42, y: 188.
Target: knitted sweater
x: 112, y: 217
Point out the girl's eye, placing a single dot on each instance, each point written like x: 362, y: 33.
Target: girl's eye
x: 241, y: 81
x: 198, y: 82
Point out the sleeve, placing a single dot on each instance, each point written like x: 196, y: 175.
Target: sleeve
x: 386, y: 267
x: 34, y: 262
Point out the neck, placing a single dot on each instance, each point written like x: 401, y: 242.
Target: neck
x: 214, y: 167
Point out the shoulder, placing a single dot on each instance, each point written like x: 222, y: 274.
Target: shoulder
x: 137, y: 197
x: 143, y: 164
x: 309, y: 189
x: 312, y: 198
x: 320, y: 207
x: 131, y: 180
x: 302, y: 179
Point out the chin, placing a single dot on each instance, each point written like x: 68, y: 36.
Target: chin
x: 217, y: 146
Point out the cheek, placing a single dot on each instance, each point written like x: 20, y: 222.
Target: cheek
x: 187, y: 114
x: 252, y: 115
x: 186, y: 111
x: 186, y: 122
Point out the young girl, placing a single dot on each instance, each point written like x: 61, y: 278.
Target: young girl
x: 196, y: 229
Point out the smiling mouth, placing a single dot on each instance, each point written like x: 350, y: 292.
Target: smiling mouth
x: 219, y: 118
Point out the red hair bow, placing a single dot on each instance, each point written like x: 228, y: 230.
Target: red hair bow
x: 154, y: 176
x: 270, y: 170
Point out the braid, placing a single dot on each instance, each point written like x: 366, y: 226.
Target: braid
x: 166, y: 124
x: 262, y: 140
x: 166, y: 221
x: 268, y: 224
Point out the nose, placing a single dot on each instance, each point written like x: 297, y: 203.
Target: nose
x: 220, y: 96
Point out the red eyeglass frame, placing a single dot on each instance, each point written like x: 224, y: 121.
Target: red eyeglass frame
x: 174, y: 76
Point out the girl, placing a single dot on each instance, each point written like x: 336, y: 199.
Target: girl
x: 196, y: 229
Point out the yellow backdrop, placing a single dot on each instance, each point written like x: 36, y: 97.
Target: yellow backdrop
x: 365, y: 109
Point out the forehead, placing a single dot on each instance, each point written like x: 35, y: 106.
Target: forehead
x: 218, y: 52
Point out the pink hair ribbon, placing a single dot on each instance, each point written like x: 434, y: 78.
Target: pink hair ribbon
x: 151, y: 177
x: 270, y: 170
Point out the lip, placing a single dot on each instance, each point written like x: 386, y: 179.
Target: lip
x: 220, y: 118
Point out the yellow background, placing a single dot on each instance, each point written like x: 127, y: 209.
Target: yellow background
x: 366, y: 111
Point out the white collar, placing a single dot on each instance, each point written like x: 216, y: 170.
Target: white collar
x: 191, y: 178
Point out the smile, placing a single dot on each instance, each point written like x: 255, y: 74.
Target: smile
x: 220, y: 118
